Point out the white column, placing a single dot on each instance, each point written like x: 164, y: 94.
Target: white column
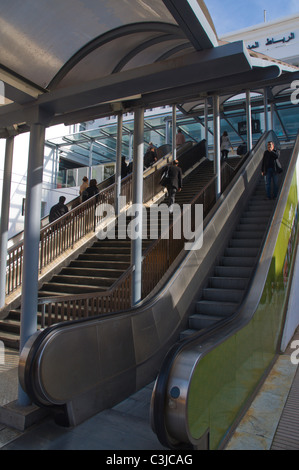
x: 90, y: 160
x: 248, y: 121
x: 174, y: 132
x: 266, y: 113
x: 5, y: 215
x: 136, y: 243
x: 118, y: 163
x: 207, y: 126
x: 217, y: 156
x: 31, y: 241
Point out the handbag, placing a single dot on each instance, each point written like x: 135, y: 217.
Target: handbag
x: 278, y: 167
x: 164, y: 178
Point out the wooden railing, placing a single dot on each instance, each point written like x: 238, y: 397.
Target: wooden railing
x: 156, y: 261
x: 62, y: 234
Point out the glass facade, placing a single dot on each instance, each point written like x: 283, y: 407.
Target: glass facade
x: 97, y: 146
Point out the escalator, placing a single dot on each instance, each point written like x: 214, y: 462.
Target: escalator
x: 113, y: 355
x: 102, y: 263
x: 208, y: 378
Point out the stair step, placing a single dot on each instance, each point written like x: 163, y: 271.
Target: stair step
x: 61, y: 289
x: 111, y: 273
x: 223, y: 295
x: 245, y: 243
x: 238, y: 261
x: 250, y: 219
x: 99, y: 250
x: 83, y: 280
x: 104, y: 257
x: 241, y: 252
x: 198, y: 321
x: 228, y: 283
x: 90, y: 264
x: 233, y: 271
x: 10, y: 325
x: 206, y: 307
x: 250, y: 228
x: 250, y: 234
x: 10, y: 340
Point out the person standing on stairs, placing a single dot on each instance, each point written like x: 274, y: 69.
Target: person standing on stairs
x: 225, y: 145
x: 58, y: 210
x: 180, y: 138
x: 84, y: 185
x: 269, y: 171
x: 174, y: 183
x: 91, y: 191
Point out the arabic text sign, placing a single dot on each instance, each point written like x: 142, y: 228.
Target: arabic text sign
x: 2, y: 93
x: 273, y: 41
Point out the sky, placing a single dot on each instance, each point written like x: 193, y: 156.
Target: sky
x: 232, y: 15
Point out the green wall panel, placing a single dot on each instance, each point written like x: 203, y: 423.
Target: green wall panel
x: 225, y: 378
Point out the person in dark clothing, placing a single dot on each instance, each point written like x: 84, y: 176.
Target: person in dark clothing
x: 124, y: 167
x: 58, y: 210
x: 91, y: 191
x: 174, y: 183
x: 150, y: 157
x: 269, y: 170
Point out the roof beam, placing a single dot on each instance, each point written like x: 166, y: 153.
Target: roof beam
x: 188, y: 69
x: 194, y: 19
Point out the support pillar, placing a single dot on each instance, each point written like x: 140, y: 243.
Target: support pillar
x: 217, y: 156
x: 248, y: 121
x: 174, y: 132
x: 118, y: 163
x: 5, y: 216
x: 207, y: 126
x: 136, y: 243
x: 272, y: 113
x: 90, y: 161
x: 266, y: 113
x: 31, y: 241
x: 167, y: 131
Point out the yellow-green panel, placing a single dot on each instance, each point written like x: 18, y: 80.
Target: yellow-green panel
x: 226, y: 377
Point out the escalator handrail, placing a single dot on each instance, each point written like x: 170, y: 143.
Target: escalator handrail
x: 202, y: 338
x: 45, y: 336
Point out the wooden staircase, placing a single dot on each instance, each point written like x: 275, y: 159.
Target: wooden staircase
x: 101, y: 265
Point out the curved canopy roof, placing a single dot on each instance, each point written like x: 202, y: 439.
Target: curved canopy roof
x: 74, y: 59
x: 53, y: 43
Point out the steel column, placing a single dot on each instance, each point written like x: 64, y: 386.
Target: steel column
x: 174, y: 132
x: 136, y: 242
x: 266, y: 113
x: 118, y: 163
x: 248, y: 121
x: 217, y: 157
x: 31, y: 241
x: 5, y: 215
x: 207, y: 126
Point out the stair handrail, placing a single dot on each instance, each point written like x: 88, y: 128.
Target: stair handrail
x: 158, y: 401
x: 62, y: 234
x: 157, y: 259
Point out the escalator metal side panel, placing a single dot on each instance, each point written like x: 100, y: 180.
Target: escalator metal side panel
x: 91, y: 365
x: 213, y: 377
